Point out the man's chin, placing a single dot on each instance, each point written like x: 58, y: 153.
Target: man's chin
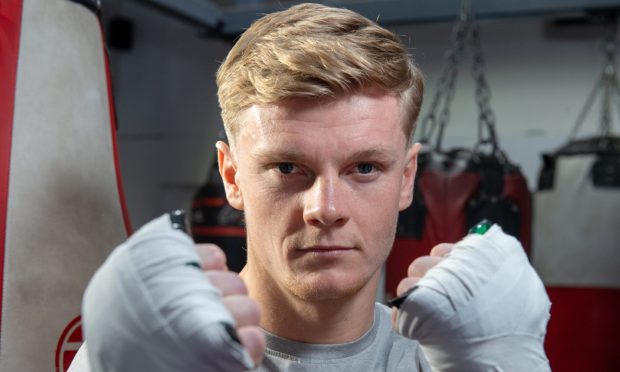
x: 326, y: 288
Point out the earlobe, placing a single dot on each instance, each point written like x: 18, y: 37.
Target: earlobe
x: 228, y: 171
x: 411, y: 164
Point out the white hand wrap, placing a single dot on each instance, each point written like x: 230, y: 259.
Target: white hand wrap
x: 483, y: 308
x: 146, y: 309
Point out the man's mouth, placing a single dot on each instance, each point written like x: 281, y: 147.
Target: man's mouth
x: 326, y: 249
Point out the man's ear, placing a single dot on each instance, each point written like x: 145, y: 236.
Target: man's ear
x: 411, y: 165
x: 228, y: 171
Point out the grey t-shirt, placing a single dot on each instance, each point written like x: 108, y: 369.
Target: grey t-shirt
x: 380, y: 349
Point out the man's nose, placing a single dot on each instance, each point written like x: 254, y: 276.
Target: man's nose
x: 325, y: 203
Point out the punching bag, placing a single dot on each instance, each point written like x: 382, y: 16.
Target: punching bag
x: 576, y: 252
x: 214, y: 221
x: 577, y: 240
x: 454, y: 190
x: 61, y: 207
x: 457, y: 188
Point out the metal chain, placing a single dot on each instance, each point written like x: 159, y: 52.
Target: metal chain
x: 465, y: 28
x: 607, y: 85
x: 447, y: 81
x: 486, y: 116
x: 610, y: 80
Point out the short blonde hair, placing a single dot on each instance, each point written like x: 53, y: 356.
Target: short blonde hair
x: 314, y: 51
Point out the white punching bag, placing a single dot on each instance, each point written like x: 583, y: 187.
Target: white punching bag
x: 61, y: 204
x: 577, y: 254
x: 577, y: 236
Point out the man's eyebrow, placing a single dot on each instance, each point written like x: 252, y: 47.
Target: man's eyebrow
x: 292, y: 155
x: 373, y: 154
x: 279, y: 155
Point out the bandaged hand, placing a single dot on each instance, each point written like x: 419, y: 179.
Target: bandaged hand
x: 151, y: 307
x: 477, y: 305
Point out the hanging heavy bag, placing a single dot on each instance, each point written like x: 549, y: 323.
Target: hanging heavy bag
x: 61, y: 206
x: 577, y: 237
x: 214, y: 221
x: 456, y: 188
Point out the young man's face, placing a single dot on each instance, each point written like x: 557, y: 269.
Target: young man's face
x: 321, y: 184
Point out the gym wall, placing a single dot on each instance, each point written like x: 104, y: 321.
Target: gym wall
x: 169, y: 117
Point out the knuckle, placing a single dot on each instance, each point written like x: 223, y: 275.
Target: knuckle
x: 208, y: 248
x: 441, y: 249
x: 421, y: 265
x: 417, y: 265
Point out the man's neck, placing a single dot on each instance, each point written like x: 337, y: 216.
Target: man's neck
x: 333, y: 321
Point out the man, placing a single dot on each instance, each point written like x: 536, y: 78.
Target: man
x: 319, y: 105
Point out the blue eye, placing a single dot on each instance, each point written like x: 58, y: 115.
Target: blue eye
x: 365, y: 168
x: 286, y: 168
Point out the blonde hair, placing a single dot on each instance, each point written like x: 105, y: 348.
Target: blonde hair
x: 314, y: 51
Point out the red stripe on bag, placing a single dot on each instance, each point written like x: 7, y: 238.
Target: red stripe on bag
x: 117, y: 167
x: 228, y: 231
x: 209, y: 202
x: 10, y: 28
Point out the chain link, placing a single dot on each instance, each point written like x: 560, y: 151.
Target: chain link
x: 486, y: 116
x: 610, y: 78
x: 466, y: 28
x: 446, y: 85
x: 607, y: 85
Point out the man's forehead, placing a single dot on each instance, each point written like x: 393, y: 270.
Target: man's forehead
x: 291, y: 108
x: 358, y: 116
x: 307, y: 109
x: 262, y: 120
x: 276, y: 139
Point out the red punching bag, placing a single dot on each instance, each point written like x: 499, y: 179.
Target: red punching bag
x: 61, y: 209
x: 455, y: 189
